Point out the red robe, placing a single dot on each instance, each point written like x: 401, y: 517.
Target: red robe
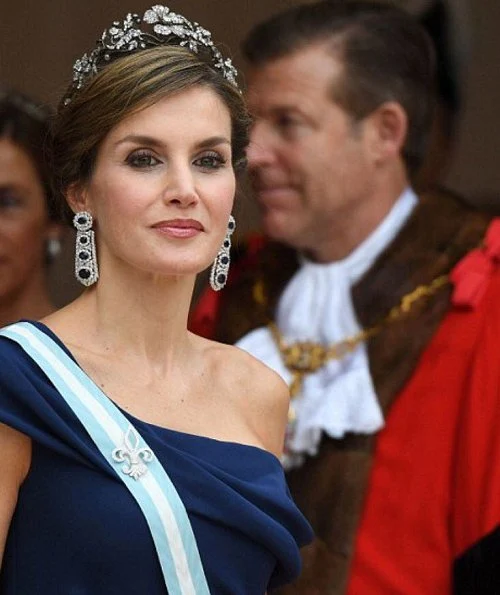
x: 434, y: 489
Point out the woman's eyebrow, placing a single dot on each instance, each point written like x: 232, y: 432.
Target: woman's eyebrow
x: 154, y: 142
x: 140, y: 140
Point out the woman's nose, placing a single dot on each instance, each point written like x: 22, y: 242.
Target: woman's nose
x: 180, y: 187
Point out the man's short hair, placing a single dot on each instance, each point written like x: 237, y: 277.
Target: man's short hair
x: 386, y: 56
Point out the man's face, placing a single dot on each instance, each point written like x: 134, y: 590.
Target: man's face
x: 309, y: 162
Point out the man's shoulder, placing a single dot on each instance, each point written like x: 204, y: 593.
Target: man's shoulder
x: 478, y: 272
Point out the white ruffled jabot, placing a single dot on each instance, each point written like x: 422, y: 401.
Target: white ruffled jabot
x: 316, y: 305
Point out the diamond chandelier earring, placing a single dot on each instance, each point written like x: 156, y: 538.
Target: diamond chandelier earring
x: 86, y: 270
x: 220, y: 267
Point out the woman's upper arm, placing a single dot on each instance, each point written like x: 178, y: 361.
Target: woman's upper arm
x: 15, y: 458
x: 271, y: 400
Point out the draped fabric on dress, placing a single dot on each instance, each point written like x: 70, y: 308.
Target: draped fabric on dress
x: 77, y: 530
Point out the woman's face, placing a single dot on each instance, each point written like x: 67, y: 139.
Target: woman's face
x: 163, y: 186
x: 24, y: 222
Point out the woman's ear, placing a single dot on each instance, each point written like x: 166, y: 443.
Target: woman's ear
x: 77, y: 198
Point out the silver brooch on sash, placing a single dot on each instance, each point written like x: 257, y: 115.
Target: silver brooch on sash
x: 134, y: 457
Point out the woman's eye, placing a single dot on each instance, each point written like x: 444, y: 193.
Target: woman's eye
x: 9, y: 199
x: 142, y: 160
x: 210, y: 161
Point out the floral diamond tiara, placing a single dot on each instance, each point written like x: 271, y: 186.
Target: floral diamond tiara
x: 126, y: 37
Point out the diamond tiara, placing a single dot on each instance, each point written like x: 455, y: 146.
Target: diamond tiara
x: 123, y: 38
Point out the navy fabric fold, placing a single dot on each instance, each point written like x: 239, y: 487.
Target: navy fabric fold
x: 77, y: 530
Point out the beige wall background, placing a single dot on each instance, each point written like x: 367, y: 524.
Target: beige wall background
x: 39, y: 41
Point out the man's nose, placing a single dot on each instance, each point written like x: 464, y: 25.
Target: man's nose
x: 260, y: 149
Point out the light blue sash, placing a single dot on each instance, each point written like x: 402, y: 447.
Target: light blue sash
x: 129, y: 456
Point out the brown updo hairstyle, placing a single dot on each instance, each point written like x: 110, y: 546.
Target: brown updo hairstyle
x: 125, y: 86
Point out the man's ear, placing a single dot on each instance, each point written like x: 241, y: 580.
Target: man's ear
x: 389, y: 128
x: 77, y: 198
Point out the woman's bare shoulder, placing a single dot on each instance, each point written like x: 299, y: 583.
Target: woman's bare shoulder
x: 241, y: 367
x: 257, y: 390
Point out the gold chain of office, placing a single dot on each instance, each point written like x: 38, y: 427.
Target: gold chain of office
x: 305, y: 357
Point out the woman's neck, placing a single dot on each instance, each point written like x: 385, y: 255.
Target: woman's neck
x: 143, y: 317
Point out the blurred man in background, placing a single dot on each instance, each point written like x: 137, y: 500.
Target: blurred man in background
x: 378, y: 305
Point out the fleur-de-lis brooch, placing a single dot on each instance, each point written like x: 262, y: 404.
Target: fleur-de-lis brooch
x: 134, y: 457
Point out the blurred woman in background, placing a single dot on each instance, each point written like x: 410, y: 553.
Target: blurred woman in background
x: 29, y: 231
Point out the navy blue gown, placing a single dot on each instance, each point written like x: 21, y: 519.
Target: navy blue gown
x: 77, y: 530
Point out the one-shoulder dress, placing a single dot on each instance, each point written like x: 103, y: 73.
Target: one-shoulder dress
x: 77, y: 530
